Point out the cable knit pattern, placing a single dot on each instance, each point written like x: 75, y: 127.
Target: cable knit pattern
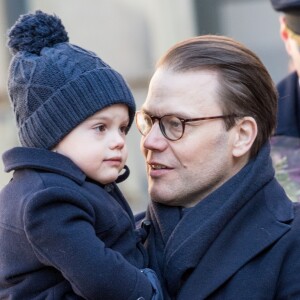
x: 54, y: 85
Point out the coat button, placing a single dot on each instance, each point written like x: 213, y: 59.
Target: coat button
x: 146, y: 225
x: 109, y: 187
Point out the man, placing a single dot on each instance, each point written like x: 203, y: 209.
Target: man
x: 288, y: 123
x: 221, y: 225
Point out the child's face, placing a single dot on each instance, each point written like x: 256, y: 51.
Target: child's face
x: 97, y: 145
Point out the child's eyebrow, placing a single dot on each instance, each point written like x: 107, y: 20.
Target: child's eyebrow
x: 105, y: 118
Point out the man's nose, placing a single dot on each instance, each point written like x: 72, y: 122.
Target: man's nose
x: 154, y: 140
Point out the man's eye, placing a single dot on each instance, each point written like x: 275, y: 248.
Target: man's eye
x: 174, y: 124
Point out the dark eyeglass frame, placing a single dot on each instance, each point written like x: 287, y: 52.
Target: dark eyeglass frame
x: 183, y: 121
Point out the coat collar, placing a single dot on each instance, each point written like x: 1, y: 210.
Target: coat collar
x: 258, y: 225
x: 41, y: 159
x: 238, y: 212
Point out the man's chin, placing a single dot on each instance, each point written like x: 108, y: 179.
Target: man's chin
x: 162, y: 198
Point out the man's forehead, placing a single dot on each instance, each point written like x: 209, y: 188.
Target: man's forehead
x: 177, y: 91
x: 168, y: 81
x: 181, y: 107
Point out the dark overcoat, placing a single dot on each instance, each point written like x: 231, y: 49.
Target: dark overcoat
x: 241, y: 242
x: 63, y: 236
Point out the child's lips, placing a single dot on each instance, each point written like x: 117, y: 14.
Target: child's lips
x: 114, y: 161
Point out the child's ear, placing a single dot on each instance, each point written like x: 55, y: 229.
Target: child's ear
x: 245, y: 132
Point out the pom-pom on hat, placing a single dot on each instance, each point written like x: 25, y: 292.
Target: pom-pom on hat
x: 54, y: 85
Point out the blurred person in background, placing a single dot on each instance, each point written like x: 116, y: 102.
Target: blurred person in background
x: 220, y: 225
x: 288, y: 118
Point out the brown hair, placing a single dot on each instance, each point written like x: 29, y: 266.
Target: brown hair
x: 246, y: 88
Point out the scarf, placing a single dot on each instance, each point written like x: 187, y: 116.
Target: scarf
x: 177, y: 242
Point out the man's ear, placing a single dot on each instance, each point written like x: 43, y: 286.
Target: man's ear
x: 245, y: 132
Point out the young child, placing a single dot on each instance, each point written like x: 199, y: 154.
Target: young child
x: 66, y: 231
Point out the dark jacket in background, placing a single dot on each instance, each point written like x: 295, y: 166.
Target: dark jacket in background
x: 288, y: 117
x: 60, y: 233
x: 240, y: 242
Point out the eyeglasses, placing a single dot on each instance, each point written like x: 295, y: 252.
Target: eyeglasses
x: 171, y: 127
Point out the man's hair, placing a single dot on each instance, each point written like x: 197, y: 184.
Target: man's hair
x: 246, y: 88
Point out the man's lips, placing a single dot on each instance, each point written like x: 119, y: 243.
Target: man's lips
x: 157, y: 169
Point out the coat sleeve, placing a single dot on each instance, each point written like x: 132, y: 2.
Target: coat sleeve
x: 60, y: 227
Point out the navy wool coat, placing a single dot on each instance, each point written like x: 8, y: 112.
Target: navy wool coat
x: 64, y: 236
x: 288, y: 118
x: 240, y: 242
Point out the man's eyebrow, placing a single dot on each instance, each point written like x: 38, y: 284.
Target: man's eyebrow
x: 178, y: 114
x: 144, y: 110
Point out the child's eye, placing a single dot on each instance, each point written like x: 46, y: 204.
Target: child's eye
x: 124, y: 129
x: 100, y: 127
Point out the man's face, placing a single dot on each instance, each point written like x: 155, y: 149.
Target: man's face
x: 183, y: 172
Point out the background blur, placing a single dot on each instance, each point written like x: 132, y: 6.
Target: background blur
x: 131, y: 35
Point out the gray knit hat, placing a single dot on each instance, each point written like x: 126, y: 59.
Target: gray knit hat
x: 54, y: 85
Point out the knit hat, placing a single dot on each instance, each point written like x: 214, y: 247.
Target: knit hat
x: 54, y: 85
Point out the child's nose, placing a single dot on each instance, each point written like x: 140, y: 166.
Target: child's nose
x: 117, y: 141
